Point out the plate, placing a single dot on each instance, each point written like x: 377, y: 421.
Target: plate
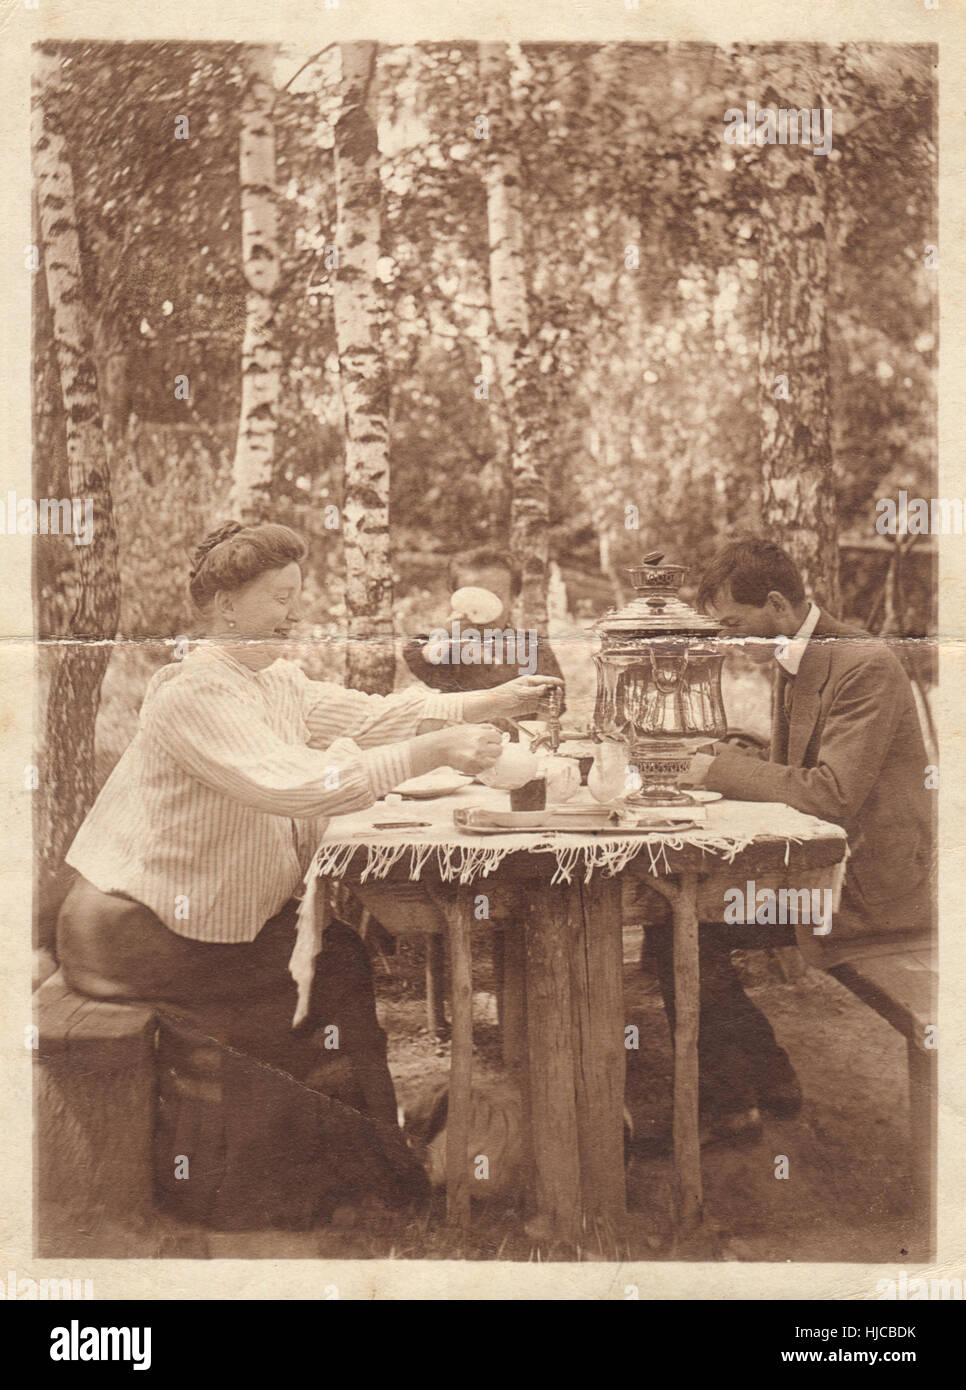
x: 442, y: 781
x: 702, y: 797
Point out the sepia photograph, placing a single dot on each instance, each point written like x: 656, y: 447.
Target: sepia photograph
x: 485, y: 540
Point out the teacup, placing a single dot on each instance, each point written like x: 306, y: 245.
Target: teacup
x: 532, y: 796
x: 563, y: 779
x: 608, y: 778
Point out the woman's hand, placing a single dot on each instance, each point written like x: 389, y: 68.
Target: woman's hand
x: 467, y: 747
x: 472, y: 747
x: 512, y: 699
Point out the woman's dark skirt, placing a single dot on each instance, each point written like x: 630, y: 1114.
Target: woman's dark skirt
x: 259, y: 1124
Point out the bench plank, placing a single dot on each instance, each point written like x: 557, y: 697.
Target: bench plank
x: 901, y: 988
x: 55, y: 1005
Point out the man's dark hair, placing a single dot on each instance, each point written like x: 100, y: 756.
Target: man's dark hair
x: 754, y: 567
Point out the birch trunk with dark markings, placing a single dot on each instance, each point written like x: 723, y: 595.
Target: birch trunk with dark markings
x: 516, y: 362
x: 66, y: 787
x: 798, y: 498
x: 360, y: 313
x: 261, y: 358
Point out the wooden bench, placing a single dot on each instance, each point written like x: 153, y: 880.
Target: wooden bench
x: 95, y: 1090
x: 903, y: 990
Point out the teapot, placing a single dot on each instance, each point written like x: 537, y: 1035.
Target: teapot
x: 515, y: 766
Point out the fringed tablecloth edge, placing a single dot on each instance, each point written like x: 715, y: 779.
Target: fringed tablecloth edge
x: 465, y: 863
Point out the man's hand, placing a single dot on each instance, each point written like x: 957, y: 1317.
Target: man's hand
x: 511, y: 700
x: 697, y: 772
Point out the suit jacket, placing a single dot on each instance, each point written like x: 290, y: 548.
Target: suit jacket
x: 850, y: 750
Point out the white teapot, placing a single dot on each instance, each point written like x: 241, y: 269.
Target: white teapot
x: 515, y: 766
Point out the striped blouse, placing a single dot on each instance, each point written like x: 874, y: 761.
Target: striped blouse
x: 212, y: 814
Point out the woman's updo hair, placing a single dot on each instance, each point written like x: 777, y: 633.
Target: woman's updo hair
x: 236, y: 554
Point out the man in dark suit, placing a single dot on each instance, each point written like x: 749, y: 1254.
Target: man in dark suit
x: 847, y: 747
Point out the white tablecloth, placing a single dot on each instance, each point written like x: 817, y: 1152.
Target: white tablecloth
x: 731, y: 827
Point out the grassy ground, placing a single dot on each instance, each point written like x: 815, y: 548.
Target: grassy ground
x: 846, y: 1198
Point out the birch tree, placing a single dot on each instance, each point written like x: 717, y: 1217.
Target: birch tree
x: 66, y: 785
x: 798, y: 499
x: 359, y: 310
x: 798, y: 490
x: 513, y: 350
x: 261, y: 357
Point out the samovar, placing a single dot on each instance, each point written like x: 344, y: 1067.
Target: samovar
x: 658, y: 683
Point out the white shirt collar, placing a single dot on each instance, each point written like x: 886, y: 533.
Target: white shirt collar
x: 220, y: 652
x: 790, y: 650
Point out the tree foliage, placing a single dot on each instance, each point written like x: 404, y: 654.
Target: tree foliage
x: 644, y: 247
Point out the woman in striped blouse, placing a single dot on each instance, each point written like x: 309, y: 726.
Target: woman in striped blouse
x: 187, y: 864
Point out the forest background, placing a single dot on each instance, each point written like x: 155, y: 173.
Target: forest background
x: 413, y: 300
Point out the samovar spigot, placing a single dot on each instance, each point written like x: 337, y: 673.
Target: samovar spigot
x: 551, y: 737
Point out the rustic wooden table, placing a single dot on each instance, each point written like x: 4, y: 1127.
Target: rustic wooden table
x: 563, y: 1007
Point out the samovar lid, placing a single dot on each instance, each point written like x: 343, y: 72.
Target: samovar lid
x: 658, y: 608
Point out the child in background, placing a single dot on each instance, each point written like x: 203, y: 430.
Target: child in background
x: 481, y: 599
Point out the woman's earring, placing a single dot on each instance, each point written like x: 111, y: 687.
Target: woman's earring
x: 231, y: 622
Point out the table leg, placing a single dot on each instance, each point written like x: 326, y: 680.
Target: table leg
x: 435, y: 986
x: 687, y: 985
x: 597, y: 968
x: 551, y: 1055
x: 514, y: 1010
x: 459, y: 916
x: 496, y: 957
x: 682, y: 894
